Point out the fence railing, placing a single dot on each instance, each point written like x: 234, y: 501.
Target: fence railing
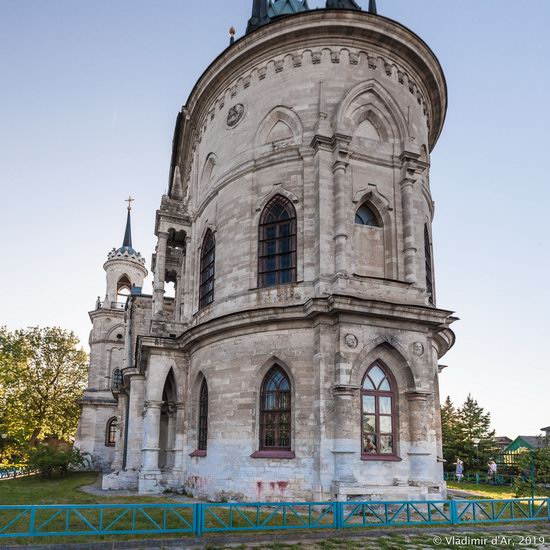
x: 6, y: 473
x: 198, y: 519
x: 480, y: 479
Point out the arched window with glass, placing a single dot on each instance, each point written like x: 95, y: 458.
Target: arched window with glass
x: 275, y: 411
x: 366, y: 216
x: 110, y: 432
x: 277, y: 243
x: 378, y: 404
x: 207, y: 275
x: 203, y: 417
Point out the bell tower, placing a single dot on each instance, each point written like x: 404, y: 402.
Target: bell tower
x: 125, y: 271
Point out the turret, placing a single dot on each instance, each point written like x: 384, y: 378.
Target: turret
x: 125, y: 268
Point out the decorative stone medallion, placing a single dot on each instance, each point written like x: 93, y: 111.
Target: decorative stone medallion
x: 351, y: 341
x: 418, y: 349
x: 235, y: 115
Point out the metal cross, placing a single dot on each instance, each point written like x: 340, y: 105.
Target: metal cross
x: 129, y: 200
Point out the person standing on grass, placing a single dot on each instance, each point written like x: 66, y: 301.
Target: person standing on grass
x: 459, y: 469
x: 492, y: 471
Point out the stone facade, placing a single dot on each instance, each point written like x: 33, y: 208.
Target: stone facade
x: 331, y: 110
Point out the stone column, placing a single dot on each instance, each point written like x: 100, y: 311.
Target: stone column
x: 422, y: 461
x: 151, y: 436
x: 135, y: 422
x: 160, y: 269
x: 341, y: 204
x: 346, y: 446
x: 179, y: 437
x: 409, y: 249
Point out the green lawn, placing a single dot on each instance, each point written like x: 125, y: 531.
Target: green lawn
x: 35, y: 490
x: 491, y: 491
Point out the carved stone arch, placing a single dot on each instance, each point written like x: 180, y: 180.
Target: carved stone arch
x: 120, y: 328
x: 377, y: 119
x: 208, y: 226
x: 276, y: 190
x: 209, y: 168
x: 158, y: 371
x: 268, y: 364
x: 370, y: 96
x: 270, y: 128
x: 392, y: 355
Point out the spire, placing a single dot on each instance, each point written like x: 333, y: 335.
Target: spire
x: 343, y: 4
x: 128, y: 233
x: 372, y: 7
x: 259, y: 15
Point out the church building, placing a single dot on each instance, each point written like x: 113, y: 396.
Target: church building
x: 296, y: 357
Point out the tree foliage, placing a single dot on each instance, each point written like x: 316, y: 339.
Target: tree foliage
x: 43, y: 373
x: 467, y: 434
x: 533, y: 468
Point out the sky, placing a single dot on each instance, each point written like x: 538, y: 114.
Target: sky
x: 89, y: 93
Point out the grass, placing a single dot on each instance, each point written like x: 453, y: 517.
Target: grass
x: 492, y: 491
x: 35, y: 490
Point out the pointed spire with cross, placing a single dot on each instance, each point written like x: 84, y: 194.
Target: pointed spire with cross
x: 128, y: 233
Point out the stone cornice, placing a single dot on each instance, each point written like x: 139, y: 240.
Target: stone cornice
x: 303, y: 315
x: 383, y: 45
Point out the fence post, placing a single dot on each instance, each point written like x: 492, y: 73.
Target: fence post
x: 454, y: 512
x: 31, y: 521
x: 477, y: 479
x: 198, y: 515
x: 548, y: 508
x: 338, y: 515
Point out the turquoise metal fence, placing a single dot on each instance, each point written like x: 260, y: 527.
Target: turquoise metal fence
x: 198, y: 519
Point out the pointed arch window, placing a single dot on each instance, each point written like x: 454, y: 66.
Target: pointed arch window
x: 207, y: 276
x: 116, y: 381
x: 110, y: 432
x: 275, y: 411
x: 277, y: 243
x: 203, y: 417
x: 366, y: 216
x: 429, y: 264
x: 378, y: 405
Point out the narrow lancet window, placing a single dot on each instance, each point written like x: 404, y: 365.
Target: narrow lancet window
x: 203, y: 417
x: 429, y: 264
x: 207, y: 276
x: 378, y: 406
x: 275, y: 411
x: 110, y: 432
x: 116, y: 382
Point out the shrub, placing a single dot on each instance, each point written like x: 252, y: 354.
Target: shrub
x: 50, y: 462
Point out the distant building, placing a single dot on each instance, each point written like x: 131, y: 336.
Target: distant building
x: 527, y: 442
x: 546, y: 431
x: 502, y: 442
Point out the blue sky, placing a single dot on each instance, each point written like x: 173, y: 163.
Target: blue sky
x: 89, y: 92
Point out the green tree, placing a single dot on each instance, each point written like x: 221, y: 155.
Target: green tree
x: 467, y: 435
x: 450, y: 432
x: 477, y: 440
x: 534, y: 467
x: 43, y: 373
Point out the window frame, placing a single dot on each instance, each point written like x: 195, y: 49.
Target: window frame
x: 374, y: 213
x: 207, y: 280
x: 263, y: 256
x: 110, y: 432
x: 117, y: 380
x: 279, y: 411
x: 393, y: 393
x: 202, y: 425
x: 428, y: 264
